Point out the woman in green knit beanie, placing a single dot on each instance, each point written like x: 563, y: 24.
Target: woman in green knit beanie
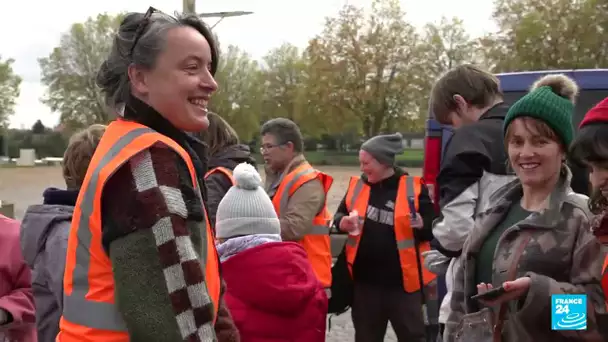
x: 538, y: 130
x: 535, y: 240
x: 550, y: 101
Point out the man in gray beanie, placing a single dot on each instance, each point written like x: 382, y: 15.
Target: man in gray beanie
x: 384, y: 148
x: 387, y: 285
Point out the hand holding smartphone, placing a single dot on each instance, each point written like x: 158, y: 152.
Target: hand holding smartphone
x: 490, y: 294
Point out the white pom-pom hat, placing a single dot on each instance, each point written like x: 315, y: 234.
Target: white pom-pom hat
x: 246, y: 209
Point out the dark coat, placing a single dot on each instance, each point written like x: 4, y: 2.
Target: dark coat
x: 217, y: 184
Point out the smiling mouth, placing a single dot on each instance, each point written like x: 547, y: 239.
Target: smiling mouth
x: 199, y: 102
x: 529, y: 166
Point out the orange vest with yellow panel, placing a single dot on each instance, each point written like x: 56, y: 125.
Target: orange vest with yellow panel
x: 89, y: 309
x: 225, y: 171
x: 317, y: 242
x: 357, y: 198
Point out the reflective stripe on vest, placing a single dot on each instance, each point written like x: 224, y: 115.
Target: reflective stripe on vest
x: 225, y: 171
x: 317, y: 243
x: 76, y: 308
x: 357, y: 198
x: 89, y: 303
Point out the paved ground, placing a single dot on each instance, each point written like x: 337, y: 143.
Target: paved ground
x: 24, y: 186
x: 342, y: 330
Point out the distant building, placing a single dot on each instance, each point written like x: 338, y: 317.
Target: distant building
x: 413, y: 140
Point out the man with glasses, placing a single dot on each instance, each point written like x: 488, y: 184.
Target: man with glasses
x: 298, y: 193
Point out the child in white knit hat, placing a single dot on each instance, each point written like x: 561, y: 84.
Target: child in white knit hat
x: 245, y: 216
x: 272, y: 291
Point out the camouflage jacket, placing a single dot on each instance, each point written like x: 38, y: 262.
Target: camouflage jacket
x: 561, y: 257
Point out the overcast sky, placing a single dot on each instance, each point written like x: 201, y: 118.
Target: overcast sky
x: 31, y: 29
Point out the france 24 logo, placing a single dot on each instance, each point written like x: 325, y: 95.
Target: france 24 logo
x: 569, y: 312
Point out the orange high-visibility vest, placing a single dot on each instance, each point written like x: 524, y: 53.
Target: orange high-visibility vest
x: 89, y: 310
x: 225, y: 171
x: 357, y: 198
x: 317, y: 242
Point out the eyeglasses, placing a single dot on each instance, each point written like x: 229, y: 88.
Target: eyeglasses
x: 141, y: 28
x: 267, y: 147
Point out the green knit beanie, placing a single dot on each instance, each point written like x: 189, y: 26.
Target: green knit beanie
x: 550, y: 100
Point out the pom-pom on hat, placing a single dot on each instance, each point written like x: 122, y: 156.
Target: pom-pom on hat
x: 246, y: 209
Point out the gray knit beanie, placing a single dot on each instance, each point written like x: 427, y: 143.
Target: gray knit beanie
x: 384, y: 148
x: 246, y: 209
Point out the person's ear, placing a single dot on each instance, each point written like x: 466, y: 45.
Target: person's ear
x: 138, y: 79
x: 290, y: 146
x: 461, y: 104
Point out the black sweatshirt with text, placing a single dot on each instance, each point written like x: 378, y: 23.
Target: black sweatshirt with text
x: 377, y: 261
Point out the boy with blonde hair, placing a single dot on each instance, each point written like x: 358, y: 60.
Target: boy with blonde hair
x: 78, y: 155
x: 45, y: 229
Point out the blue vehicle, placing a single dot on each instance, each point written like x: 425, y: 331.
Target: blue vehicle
x: 593, y: 85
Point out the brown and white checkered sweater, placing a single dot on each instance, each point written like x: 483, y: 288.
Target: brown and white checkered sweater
x: 153, y: 232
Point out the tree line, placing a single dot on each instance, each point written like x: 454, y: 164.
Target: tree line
x: 46, y: 141
x: 365, y: 73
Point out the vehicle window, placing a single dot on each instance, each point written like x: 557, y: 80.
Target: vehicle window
x: 586, y: 100
x: 512, y: 96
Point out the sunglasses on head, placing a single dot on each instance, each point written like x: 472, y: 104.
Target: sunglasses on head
x: 143, y: 24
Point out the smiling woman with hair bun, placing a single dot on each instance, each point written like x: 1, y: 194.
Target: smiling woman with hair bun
x: 535, y: 240
x: 141, y: 263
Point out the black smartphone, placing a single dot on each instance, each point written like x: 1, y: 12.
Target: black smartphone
x: 491, y: 294
x: 412, y: 203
